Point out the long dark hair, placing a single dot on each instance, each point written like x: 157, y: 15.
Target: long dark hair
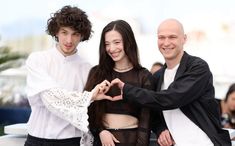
x: 105, y: 67
x: 106, y: 63
x: 130, y: 46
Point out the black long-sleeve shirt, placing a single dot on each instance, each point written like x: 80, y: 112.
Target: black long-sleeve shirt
x: 192, y: 91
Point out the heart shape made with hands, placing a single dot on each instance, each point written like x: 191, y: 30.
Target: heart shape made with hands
x: 114, y: 90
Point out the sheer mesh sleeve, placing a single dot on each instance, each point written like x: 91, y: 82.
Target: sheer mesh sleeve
x: 71, y: 106
x: 140, y: 137
x: 143, y: 132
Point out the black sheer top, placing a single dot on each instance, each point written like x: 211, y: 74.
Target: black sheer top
x: 137, y: 77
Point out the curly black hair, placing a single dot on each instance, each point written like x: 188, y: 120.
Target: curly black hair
x: 72, y: 17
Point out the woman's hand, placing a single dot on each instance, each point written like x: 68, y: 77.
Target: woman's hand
x: 107, y: 138
x: 98, y: 93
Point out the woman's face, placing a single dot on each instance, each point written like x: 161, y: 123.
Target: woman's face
x: 231, y: 101
x: 114, y: 46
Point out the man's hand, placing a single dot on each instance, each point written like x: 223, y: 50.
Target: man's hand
x: 107, y: 138
x: 98, y: 93
x: 120, y: 85
x: 165, y: 139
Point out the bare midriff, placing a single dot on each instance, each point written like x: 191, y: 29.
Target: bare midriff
x: 119, y: 121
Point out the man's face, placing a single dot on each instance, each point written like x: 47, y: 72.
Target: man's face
x: 68, y: 40
x: 171, y: 40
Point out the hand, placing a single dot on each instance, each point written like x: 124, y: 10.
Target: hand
x: 120, y: 85
x: 165, y: 139
x: 107, y: 138
x: 98, y: 93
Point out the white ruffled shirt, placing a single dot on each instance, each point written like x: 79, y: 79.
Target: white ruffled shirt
x: 54, y: 89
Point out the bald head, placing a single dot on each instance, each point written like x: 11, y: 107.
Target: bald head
x: 172, y: 25
x: 171, y: 39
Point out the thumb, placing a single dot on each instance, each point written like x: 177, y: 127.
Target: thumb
x: 115, y: 81
x: 116, y: 98
x: 115, y: 140
x: 107, y: 97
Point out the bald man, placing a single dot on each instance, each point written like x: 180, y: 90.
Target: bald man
x: 184, y: 95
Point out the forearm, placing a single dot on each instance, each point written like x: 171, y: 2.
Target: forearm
x: 70, y: 106
x: 143, y: 132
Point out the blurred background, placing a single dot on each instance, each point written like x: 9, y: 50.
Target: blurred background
x: 210, y: 26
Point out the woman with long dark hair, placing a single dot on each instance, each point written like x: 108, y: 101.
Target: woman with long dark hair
x: 119, y: 123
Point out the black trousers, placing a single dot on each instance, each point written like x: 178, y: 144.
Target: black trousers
x: 35, y: 141
x: 127, y: 137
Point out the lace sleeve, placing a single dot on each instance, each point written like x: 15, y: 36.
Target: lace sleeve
x: 71, y: 106
x: 87, y: 139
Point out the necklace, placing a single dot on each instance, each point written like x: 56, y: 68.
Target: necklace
x: 123, y: 69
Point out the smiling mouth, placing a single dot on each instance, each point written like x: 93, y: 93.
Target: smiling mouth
x: 167, y: 49
x: 115, y: 54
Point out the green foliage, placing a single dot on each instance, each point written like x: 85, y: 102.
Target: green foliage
x: 10, y: 59
x: 4, y: 49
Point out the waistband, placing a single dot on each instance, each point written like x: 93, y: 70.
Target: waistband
x: 44, y: 140
x: 120, y: 129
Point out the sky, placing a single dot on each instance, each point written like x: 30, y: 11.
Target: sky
x: 148, y: 9
x: 210, y: 22
x: 150, y: 12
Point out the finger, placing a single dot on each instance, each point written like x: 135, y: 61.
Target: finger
x: 162, y: 141
x: 103, y: 84
x: 106, y: 89
x: 116, y: 98
x: 103, y: 89
x: 114, y: 81
x: 114, y: 139
x: 107, y: 97
x: 106, y: 82
x: 168, y: 139
x: 112, y: 144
